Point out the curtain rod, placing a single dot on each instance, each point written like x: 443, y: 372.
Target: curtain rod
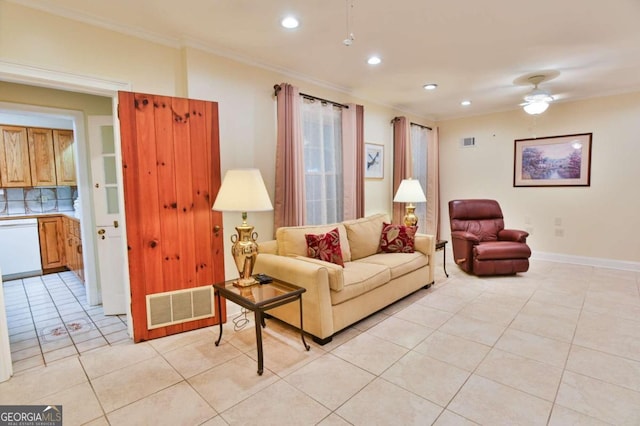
x: 420, y: 125
x: 276, y: 88
x: 415, y: 124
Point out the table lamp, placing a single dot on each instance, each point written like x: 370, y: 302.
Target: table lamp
x: 410, y: 192
x: 243, y: 190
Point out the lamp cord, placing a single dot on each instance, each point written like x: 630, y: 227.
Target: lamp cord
x: 240, y: 321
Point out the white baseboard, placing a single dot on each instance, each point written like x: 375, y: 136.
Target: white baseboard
x: 588, y: 261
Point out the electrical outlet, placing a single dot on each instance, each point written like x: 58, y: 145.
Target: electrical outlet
x: 559, y: 232
x: 558, y: 221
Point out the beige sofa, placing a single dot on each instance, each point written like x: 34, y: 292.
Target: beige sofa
x: 337, y: 297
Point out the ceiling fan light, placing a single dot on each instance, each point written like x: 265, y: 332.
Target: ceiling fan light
x: 290, y: 22
x: 538, y: 95
x: 537, y: 107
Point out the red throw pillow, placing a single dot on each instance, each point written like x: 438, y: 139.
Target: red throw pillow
x: 397, y: 238
x: 325, y: 247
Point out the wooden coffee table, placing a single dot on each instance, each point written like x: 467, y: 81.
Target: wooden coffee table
x: 259, y: 298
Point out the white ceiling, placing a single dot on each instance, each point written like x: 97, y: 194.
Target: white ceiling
x: 473, y: 49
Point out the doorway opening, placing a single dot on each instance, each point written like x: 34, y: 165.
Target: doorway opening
x: 73, y: 85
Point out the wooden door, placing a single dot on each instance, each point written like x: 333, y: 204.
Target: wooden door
x: 52, y: 250
x: 65, y: 157
x: 171, y: 170
x: 43, y: 165
x: 14, y: 157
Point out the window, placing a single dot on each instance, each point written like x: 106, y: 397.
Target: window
x: 322, y: 136
x: 419, y: 138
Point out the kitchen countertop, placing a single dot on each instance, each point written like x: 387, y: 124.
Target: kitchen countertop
x: 69, y: 214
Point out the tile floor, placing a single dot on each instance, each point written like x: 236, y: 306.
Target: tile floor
x: 49, y: 319
x: 559, y: 345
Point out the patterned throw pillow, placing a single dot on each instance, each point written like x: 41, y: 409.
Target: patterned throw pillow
x: 325, y: 247
x: 397, y: 238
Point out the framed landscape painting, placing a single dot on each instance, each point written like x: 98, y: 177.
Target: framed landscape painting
x: 373, y: 161
x: 553, y: 161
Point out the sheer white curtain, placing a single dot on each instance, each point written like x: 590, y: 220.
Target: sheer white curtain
x: 322, y: 135
x: 419, y: 143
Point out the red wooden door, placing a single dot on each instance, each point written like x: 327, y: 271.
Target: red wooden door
x: 171, y: 168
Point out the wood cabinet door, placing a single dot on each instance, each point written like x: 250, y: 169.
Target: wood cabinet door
x: 65, y: 157
x: 15, y: 171
x: 43, y: 165
x: 52, y: 251
x: 171, y: 170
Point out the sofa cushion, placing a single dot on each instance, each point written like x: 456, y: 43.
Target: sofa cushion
x: 325, y: 246
x: 364, y: 235
x: 359, y: 278
x: 292, y: 242
x: 397, y: 238
x: 399, y: 264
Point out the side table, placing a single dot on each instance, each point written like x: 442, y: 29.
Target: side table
x: 259, y: 298
x: 442, y: 244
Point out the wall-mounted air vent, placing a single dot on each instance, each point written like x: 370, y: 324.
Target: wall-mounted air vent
x: 468, y: 142
x: 175, y: 307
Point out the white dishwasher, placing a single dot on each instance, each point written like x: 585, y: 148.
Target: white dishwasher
x: 19, y: 248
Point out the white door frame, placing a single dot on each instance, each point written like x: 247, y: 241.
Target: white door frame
x: 24, y: 74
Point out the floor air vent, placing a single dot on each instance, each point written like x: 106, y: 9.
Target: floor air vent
x: 175, y: 307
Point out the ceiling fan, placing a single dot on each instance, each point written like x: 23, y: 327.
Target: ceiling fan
x: 537, y: 101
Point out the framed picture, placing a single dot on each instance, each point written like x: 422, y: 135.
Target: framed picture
x: 373, y: 161
x: 553, y: 161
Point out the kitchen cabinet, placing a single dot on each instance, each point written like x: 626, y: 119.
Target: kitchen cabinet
x: 52, y: 251
x: 73, y: 247
x: 14, y: 157
x: 31, y: 156
x: 41, y: 157
x: 65, y: 157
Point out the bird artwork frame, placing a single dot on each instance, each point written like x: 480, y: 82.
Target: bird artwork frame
x: 373, y: 161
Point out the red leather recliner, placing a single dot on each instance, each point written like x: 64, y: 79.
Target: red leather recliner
x: 481, y: 245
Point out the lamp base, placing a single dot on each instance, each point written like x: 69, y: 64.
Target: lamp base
x: 410, y: 218
x: 245, y: 252
x: 245, y: 282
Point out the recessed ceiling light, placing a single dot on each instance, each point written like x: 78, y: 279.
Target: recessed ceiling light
x: 290, y: 22
x: 465, y: 103
x: 374, y: 60
x: 430, y: 86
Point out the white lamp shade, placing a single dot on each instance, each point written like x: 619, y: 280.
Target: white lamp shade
x: 243, y: 190
x: 538, y: 107
x: 410, y: 191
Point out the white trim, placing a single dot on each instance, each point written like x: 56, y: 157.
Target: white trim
x: 28, y: 74
x: 587, y: 261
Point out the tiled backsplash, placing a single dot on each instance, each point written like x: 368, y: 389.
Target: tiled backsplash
x: 17, y: 201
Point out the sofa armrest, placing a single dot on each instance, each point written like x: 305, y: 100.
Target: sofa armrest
x: 513, y: 235
x: 336, y: 277
x: 314, y: 278
x: 463, y: 243
x: 270, y: 247
x: 425, y: 243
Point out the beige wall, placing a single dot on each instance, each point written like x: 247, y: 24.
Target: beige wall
x: 245, y: 93
x: 34, y: 38
x: 247, y: 109
x: 595, y: 220
x: 601, y: 221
